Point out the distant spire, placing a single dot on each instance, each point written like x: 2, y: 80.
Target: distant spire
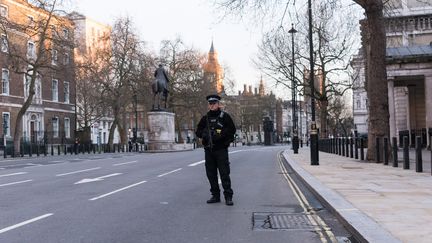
x: 261, y: 87
x: 212, y: 47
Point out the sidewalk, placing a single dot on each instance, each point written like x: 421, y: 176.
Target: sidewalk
x: 378, y: 203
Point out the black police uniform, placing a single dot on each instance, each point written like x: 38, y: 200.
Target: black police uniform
x: 217, y: 129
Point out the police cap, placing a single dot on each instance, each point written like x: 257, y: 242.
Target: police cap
x: 213, y: 98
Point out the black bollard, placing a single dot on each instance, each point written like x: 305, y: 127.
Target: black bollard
x: 58, y: 149
x: 30, y: 150
x: 339, y: 142
x: 343, y: 146
x: 37, y: 150
x: 45, y: 149
x: 65, y: 149
x: 347, y: 147
x: 356, y: 147
x: 395, y: 152
x: 22, y: 150
x: 406, y: 164
x: 377, y: 150
x: 361, y: 149
x: 385, y: 149
x: 52, y: 150
x: 5, y: 152
x: 419, y: 159
x: 351, y: 147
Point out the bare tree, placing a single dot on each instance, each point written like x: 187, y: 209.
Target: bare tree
x: 118, y: 71
x: 188, y: 87
x: 374, y: 43
x: 334, y: 44
x: 35, y: 44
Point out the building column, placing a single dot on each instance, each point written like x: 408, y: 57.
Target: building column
x: 428, y: 100
x: 392, y: 110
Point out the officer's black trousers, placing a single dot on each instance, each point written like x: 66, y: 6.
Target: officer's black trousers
x: 214, y: 161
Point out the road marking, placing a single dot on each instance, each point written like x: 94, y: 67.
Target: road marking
x: 164, y: 174
x: 313, y: 216
x: 78, y: 171
x: 118, y: 190
x: 96, y: 179
x: 125, y: 163
x: 25, y: 222
x: 18, y: 173
x: 197, y: 163
x: 237, y: 151
x: 14, y: 183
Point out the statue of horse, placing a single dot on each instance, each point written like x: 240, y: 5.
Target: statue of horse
x: 160, y: 87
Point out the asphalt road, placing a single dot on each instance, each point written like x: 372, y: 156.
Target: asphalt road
x: 157, y: 198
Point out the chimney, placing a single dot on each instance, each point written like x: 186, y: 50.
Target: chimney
x: 239, y: 92
x: 244, y: 89
x: 250, y: 89
x: 256, y: 91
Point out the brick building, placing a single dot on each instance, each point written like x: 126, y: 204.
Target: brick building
x: 37, y: 45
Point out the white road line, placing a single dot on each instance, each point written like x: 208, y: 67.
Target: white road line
x: 78, y: 171
x: 237, y: 151
x: 13, y: 183
x: 25, y: 222
x: 125, y: 163
x: 118, y: 190
x: 197, y: 163
x: 18, y: 173
x: 164, y: 174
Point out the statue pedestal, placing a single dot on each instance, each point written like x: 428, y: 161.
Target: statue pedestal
x: 161, y: 132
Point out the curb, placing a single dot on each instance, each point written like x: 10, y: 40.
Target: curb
x: 363, y: 228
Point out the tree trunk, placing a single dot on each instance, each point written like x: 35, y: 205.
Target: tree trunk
x: 21, y: 113
x: 111, y: 135
x: 377, y: 89
x: 323, y: 104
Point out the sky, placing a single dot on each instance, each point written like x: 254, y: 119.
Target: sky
x: 195, y: 21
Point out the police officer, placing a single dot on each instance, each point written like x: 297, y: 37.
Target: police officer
x: 217, y: 129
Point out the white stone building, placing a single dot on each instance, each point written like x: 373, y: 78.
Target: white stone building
x: 409, y: 72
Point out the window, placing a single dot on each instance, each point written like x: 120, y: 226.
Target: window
x: 55, y: 126
x: 30, y: 19
x: 54, y: 90
x: 4, y: 11
x: 66, y: 33
x: 66, y: 92
x: 66, y: 58
x: 67, y: 127
x: 31, y: 50
x: 6, y: 123
x: 5, y: 81
x: 4, y: 43
x: 54, y: 59
x: 358, y: 104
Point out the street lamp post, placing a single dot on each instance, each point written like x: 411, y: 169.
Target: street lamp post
x: 313, y: 129
x: 295, y: 140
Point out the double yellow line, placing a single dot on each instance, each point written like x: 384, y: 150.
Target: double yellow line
x: 324, y: 231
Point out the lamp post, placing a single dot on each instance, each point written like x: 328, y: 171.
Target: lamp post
x: 313, y: 128
x: 295, y: 140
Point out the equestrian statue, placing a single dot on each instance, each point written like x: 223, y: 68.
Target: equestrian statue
x: 160, y: 87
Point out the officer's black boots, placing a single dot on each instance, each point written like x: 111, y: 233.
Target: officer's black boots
x: 229, y: 201
x: 214, y: 199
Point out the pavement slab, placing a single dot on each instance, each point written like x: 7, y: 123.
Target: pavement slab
x: 381, y: 203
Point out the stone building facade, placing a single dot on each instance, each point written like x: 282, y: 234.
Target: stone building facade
x: 409, y: 71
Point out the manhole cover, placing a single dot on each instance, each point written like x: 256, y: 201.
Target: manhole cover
x: 282, y: 221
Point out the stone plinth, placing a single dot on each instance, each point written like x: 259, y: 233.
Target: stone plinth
x: 161, y: 134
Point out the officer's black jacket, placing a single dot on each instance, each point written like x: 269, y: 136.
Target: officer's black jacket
x: 219, y: 140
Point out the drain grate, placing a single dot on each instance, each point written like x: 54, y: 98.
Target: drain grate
x: 282, y: 221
